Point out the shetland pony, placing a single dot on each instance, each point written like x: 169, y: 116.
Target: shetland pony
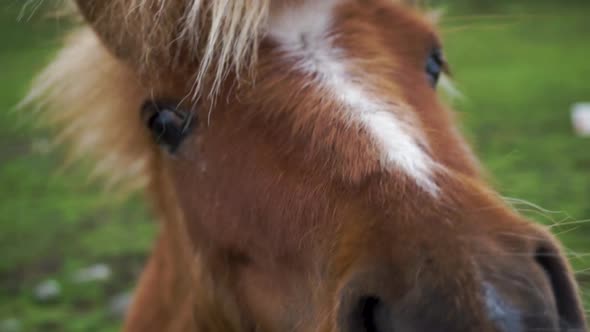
x: 306, y: 175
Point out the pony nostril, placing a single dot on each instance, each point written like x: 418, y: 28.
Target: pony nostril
x: 369, y: 314
x: 562, y: 285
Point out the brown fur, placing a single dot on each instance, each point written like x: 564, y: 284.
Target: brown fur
x: 276, y: 214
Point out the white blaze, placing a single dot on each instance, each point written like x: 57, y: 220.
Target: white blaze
x: 303, y: 33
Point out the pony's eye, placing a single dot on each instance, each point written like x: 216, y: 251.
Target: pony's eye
x: 435, y: 65
x: 169, y: 124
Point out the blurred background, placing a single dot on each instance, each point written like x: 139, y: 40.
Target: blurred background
x: 70, y: 254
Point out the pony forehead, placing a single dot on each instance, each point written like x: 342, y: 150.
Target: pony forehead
x: 304, y: 34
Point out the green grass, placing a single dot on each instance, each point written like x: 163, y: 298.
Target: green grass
x: 519, y: 72
x: 520, y: 76
x: 52, y: 221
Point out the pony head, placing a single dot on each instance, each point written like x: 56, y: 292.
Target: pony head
x: 306, y: 173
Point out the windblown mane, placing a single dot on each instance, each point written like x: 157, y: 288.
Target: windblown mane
x: 218, y: 36
x: 93, y: 100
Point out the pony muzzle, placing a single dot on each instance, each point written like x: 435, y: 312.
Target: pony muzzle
x: 503, y: 292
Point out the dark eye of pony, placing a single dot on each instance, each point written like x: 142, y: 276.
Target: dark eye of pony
x: 168, y: 123
x: 435, y: 65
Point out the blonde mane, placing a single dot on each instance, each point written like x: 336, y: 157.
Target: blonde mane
x: 234, y: 30
x: 93, y: 101
x: 217, y: 36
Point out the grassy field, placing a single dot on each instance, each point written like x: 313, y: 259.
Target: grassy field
x: 52, y: 221
x: 520, y: 68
